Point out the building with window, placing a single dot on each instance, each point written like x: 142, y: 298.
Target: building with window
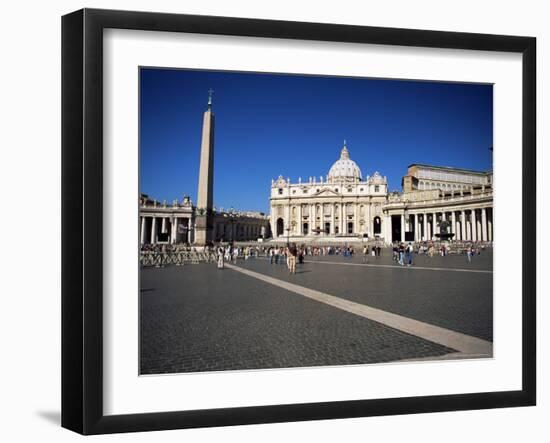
x: 175, y: 223
x: 346, y: 207
x: 342, y: 204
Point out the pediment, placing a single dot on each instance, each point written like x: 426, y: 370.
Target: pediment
x: 327, y: 192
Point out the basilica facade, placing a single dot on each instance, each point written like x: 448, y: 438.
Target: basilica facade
x: 345, y: 206
x: 341, y: 204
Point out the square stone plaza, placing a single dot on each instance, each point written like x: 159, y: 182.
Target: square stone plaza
x: 334, y: 311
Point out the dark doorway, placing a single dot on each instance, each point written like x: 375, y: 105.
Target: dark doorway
x: 327, y: 228
x: 280, y: 227
x: 305, y: 228
x: 350, y: 227
x: 395, y: 228
x: 377, y: 225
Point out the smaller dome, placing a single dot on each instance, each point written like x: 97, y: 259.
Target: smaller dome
x: 345, y: 168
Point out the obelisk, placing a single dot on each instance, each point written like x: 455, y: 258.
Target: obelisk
x: 204, y: 214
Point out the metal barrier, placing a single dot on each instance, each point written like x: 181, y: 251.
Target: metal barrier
x: 179, y: 258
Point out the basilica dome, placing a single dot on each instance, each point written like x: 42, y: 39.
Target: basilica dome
x: 344, y: 168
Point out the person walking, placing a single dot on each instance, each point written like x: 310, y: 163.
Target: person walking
x: 410, y: 251
x: 287, y: 256
x: 401, y: 251
x: 227, y: 253
x: 292, y: 253
x: 220, y: 257
x: 365, y: 254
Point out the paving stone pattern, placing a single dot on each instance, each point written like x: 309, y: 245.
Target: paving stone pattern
x: 197, y: 318
x: 459, y: 301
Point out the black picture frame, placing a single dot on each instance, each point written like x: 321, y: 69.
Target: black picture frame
x: 82, y: 215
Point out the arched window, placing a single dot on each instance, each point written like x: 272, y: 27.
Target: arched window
x: 377, y: 225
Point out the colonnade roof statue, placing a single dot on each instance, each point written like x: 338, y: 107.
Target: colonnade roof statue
x: 344, y: 169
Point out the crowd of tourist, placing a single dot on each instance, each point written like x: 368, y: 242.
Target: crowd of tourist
x: 402, y: 252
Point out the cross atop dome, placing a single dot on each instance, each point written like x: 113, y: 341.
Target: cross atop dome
x: 344, y: 155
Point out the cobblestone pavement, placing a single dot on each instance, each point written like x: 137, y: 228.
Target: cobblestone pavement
x: 198, y: 318
x: 483, y: 262
x: 459, y: 301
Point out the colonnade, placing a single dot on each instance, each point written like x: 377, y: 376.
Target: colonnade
x: 474, y: 224
x: 151, y: 226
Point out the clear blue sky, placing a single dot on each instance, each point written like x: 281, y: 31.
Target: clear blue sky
x: 293, y: 125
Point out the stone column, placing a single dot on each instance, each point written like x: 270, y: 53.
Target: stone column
x: 484, y: 224
x: 369, y: 219
x: 355, y: 219
x: 478, y: 226
x: 154, y: 231
x: 343, y: 219
x: 463, y: 225
x: 142, y: 234
x: 286, y: 221
x: 163, y: 226
x: 174, y: 230
x: 332, y: 220
x: 425, y: 219
x: 189, y: 231
x: 434, y: 225
x: 402, y: 227
x: 474, y: 225
x: 428, y: 228
x: 453, y: 224
x: 299, y: 221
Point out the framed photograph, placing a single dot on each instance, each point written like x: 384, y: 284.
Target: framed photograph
x: 269, y: 221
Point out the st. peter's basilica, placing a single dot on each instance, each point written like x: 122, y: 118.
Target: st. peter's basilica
x: 344, y: 206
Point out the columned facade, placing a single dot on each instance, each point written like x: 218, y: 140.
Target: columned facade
x: 340, y: 205
x: 468, y: 217
x: 161, y: 223
x: 344, y: 206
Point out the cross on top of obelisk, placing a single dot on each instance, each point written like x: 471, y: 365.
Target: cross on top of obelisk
x: 210, y: 92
